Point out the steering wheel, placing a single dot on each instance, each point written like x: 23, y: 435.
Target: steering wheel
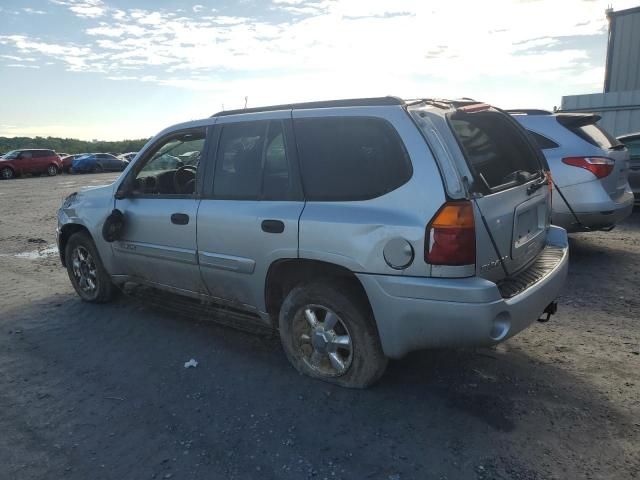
x: 184, y: 176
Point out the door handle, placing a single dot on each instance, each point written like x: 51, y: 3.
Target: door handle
x: 180, y: 218
x: 273, y: 226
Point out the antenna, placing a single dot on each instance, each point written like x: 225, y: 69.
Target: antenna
x: 246, y: 100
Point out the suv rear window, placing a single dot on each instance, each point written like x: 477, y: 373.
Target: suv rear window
x: 350, y: 158
x: 587, y: 129
x: 497, y: 154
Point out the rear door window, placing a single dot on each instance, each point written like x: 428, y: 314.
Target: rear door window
x: 254, y: 163
x: 350, y: 158
x: 498, y: 154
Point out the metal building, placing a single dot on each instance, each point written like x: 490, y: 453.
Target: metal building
x: 619, y: 104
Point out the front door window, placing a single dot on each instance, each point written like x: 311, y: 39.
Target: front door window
x: 172, y: 167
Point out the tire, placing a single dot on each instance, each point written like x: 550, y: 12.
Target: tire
x: 7, y: 173
x: 321, y: 352
x: 52, y: 170
x: 93, y: 269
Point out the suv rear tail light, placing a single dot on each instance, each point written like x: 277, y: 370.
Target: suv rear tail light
x: 599, y: 166
x: 451, y: 236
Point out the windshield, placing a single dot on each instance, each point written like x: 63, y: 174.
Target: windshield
x: 11, y: 155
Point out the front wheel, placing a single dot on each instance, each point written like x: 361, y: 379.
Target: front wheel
x: 86, y: 272
x: 327, y: 332
x: 52, y: 170
x: 6, y: 173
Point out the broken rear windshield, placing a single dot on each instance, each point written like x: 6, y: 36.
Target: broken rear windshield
x: 497, y: 153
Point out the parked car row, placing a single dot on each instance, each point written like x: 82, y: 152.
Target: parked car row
x: 360, y: 230
x: 41, y: 161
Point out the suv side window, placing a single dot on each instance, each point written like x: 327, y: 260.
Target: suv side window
x: 26, y: 155
x: 171, y: 167
x: 253, y: 162
x: 350, y: 158
x: 543, y: 142
x: 634, y: 148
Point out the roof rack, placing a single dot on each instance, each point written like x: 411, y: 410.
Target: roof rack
x: 529, y: 111
x: 351, y: 102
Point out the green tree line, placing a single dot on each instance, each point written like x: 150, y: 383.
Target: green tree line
x: 70, y: 145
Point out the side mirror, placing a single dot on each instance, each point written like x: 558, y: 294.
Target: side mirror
x: 113, y: 226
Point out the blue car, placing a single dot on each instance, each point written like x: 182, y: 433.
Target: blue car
x: 98, y: 162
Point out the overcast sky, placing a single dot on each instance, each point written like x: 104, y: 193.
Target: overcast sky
x: 114, y: 69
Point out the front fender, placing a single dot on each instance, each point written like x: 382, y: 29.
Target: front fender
x: 87, y: 211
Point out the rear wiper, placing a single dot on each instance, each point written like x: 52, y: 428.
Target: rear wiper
x: 619, y: 146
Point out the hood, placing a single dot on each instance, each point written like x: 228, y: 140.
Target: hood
x: 91, y: 188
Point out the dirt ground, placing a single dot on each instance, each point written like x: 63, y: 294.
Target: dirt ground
x: 100, y: 391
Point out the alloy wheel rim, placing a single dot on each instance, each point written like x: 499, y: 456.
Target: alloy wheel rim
x: 6, y: 173
x: 52, y: 169
x: 84, y: 270
x: 323, y: 340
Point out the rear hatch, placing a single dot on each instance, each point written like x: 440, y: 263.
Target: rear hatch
x: 585, y: 126
x: 511, y: 195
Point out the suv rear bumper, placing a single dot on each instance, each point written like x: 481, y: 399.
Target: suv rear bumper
x: 595, y: 215
x: 414, y: 313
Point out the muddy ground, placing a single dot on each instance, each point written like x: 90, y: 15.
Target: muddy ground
x: 100, y: 391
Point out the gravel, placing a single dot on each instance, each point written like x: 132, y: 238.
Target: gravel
x: 101, y: 392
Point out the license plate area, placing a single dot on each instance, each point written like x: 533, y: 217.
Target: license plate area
x: 530, y: 223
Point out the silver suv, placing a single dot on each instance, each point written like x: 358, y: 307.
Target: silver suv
x: 590, y: 169
x: 360, y: 229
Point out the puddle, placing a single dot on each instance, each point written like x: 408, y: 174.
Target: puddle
x: 43, y: 252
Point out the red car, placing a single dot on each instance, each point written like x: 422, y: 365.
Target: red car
x: 33, y: 161
x: 68, y: 159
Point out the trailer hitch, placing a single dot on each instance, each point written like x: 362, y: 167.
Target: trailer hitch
x: 550, y: 309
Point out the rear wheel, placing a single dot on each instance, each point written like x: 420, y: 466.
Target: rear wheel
x: 328, y: 333
x: 86, y: 271
x: 6, y: 173
x: 52, y: 170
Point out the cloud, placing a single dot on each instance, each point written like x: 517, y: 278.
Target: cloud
x: 33, y: 11
x: 333, y: 45
x: 83, y: 8
x: 19, y: 65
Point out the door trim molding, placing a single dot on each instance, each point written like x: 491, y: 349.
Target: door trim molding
x: 226, y: 262
x: 182, y: 255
